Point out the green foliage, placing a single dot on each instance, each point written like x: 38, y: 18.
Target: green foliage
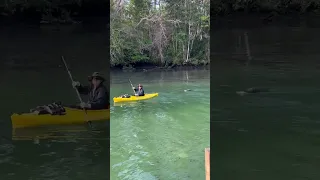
x: 162, y: 32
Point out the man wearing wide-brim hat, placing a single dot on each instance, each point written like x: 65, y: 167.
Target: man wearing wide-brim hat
x: 98, y: 93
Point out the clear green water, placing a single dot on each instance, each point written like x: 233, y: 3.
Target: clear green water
x: 164, y: 137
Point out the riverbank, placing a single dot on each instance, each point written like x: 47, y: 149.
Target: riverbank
x: 259, y: 20
x: 53, y: 12
x: 233, y: 20
x: 221, y: 7
x: 153, y: 68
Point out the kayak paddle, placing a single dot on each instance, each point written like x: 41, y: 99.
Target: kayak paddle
x: 78, y: 94
x: 132, y: 87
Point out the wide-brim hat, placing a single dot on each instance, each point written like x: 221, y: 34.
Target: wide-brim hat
x: 96, y: 75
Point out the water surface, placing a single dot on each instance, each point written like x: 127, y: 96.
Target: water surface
x: 164, y: 137
x: 273, y: 135
x: 32, y: 74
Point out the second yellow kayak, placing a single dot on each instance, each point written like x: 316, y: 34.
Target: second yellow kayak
x: 135, y: 98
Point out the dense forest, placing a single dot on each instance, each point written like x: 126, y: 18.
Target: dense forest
x: 159, y: 32
x: 52, y: 11
x: 150, y: 32
x: 169, y: 33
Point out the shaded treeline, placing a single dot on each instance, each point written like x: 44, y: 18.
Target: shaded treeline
x: 223, y: 7
x: 52, y: 11
x: 264, y: 32
x: 159, y: 32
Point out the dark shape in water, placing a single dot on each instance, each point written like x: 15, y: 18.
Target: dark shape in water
x: 252, y: 90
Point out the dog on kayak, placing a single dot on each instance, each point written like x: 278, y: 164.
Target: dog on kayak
x: 54, y: 109
x: 126, y: 96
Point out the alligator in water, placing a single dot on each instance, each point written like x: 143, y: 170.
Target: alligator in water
x: 252, y: 90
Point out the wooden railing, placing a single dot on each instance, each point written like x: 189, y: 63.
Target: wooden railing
x: 207, y: 162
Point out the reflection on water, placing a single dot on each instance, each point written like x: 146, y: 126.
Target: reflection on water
x: 61, y: 132
x: 60, y: 152
x: 121, y: 104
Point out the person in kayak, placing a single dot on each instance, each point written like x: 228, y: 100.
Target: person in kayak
x: 97, y: 92
x: 139, y: 91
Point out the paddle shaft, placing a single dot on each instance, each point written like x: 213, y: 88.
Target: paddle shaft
x: 134, y: 92
x: 71, y: 78
x: 65, y: 64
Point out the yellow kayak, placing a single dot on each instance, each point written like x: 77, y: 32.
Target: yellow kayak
x: 135, y: 98
x: 72, y: 116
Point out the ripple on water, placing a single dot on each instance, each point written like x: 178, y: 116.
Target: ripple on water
x: 5, y: 153
x: 155, y: 139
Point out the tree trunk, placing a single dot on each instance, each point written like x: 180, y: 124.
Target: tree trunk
x: 188, y: 46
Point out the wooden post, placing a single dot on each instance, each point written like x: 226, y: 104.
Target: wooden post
x: 247, y: 48
x: 207, y: 162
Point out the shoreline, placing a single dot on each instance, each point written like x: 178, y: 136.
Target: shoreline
x: 153, y: 68
x: 259, y: 20
x: 242, y: 20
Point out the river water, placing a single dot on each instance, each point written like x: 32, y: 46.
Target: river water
x: 164, y: 137
x: 273, y: 135
x: 32, y: 74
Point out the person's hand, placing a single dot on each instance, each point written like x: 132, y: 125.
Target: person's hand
x: 75, y: 83
x: 85, y: 105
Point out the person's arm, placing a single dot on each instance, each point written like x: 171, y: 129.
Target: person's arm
x: 101, y: 100
x: 84, y: 90
x: 135, y: 89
